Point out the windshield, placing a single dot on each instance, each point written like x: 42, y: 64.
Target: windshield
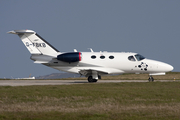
x: 139, y: 57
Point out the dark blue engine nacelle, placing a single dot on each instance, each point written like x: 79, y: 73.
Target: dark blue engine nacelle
x: 70, y: 57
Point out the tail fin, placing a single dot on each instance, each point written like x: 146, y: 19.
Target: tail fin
x: 35, y: 43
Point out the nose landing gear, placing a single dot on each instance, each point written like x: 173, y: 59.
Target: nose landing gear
x: 151, y: 79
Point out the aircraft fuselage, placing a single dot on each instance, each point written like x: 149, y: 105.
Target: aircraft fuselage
x: 112, y: 63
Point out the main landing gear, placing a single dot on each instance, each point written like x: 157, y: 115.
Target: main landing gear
x: 151, y: 79
x: 90, y: 79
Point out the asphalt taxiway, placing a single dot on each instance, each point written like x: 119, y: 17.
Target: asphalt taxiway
x: 64, y: 82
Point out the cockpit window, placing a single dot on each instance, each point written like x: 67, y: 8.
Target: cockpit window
x: 131, y: 58
x: 139, y: 57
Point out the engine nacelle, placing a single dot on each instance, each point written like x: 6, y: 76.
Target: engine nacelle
x: 70, y: 57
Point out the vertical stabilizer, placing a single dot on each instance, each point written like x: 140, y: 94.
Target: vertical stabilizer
x: 35, y: 43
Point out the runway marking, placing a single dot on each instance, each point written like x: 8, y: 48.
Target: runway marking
x: 64, y: 82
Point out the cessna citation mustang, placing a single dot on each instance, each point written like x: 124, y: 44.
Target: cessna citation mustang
x: 90, y: 64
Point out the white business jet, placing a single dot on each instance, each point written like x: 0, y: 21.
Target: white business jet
x: 90, y: 64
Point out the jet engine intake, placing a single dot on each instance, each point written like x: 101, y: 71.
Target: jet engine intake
x: 70, y: 57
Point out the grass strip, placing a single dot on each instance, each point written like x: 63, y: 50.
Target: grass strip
x: 108, y: 101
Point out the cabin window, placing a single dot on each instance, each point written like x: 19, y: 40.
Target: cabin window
x: 131, y: 58
x: 93, y: 56
x: 139, y: 57
x: 102, y: 57
x: 111, y: 57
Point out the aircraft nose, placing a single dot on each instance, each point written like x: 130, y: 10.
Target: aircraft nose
x: 170, y: 68
x: 167, y: 67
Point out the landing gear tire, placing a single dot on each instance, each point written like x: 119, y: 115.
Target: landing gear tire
x: 151, y: 79
x: 90, y: 79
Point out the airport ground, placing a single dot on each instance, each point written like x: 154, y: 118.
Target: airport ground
x: 65, y: 82
x: 169, y: 77
x: 92, y: 101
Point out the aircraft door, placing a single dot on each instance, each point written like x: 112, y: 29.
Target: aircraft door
x: 132, y: 63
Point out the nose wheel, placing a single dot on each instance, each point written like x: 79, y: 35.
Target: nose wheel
x: 151, y: 79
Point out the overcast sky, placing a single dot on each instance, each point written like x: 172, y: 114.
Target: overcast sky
x: 148, y: 27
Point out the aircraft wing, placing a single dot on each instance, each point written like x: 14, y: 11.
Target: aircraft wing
x: 41, y: 62
x: 100, y: 71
